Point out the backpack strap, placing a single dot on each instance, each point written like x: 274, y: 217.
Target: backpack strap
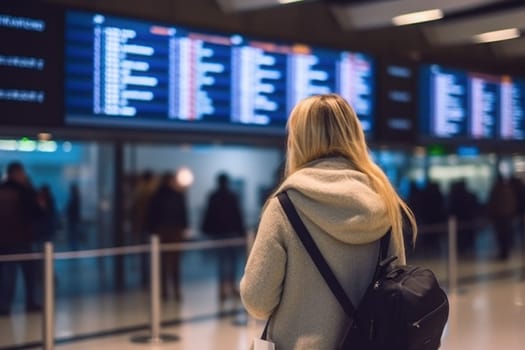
x: 385, y: 242
x: 317, y: 256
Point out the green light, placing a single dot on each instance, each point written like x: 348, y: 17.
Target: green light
x: 435, y: 150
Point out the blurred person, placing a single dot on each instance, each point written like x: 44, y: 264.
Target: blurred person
x: 501, y: 207
x: 19, y: 212
x: 266, y: 192
x: 45, y: 228
x: 346, y: 202
x: 518, y: 187
x: 431, y: 212
x: 73, y: 217
x: 223, y: 219
x: 49, y: 222
x: 414, y: 199
x: 168, y: 217
x: 432, y: 204
x: 463, y: 204
x: 144, y: 190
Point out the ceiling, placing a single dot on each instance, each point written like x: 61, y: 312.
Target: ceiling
x: 364, y: 25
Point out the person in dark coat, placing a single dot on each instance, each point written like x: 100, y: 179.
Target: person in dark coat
x: 19, y: 211
x: 73, y: 217
x: 464, y: 205
x: 223, y: 219
x: 501, y: 207
x: 49, y: 222
x: 168, y: 218
x: 144, y: 190
x: 518, y: 188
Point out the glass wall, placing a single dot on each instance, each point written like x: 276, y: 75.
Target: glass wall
x: 252, y: 172
x: 60, y: 165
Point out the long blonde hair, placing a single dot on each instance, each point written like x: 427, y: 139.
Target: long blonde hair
x: 325, y: 125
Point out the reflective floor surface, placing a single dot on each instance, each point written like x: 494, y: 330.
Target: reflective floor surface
x: 487, y: 308
x: 487, y: 316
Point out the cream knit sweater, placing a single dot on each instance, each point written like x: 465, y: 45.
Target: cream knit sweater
x: 346, y: 218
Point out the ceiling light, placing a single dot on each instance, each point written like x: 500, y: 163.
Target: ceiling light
x: 250, y: 5
x: 497, y: 35
x: 417, y: 17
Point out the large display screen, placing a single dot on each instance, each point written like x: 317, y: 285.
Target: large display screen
x: 31, y: 60
x: 397, y: 100
x: 484, y: 105
x: 512, y: 122
x: 126, y: 72
x: 443, y: 102
x: 463, y: 105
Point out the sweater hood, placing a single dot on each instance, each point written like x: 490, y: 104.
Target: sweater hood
x: 333, y: 197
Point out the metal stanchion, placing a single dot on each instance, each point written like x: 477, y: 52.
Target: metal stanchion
x: 242, y: 319
x: 49, y: 298
x: 452, y: 254
x: 155, y: 272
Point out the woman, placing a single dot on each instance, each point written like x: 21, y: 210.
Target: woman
x: 347, y: 205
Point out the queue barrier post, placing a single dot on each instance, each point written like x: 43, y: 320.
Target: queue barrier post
x: 452, y: 264
x: 155, y: 336
x: 49, y: 298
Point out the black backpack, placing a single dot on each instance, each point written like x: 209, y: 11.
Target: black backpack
x: 404, y: 308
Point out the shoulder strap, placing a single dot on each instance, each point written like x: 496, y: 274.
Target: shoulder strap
x: 385, y: 242
x: 315, y: 254
x: 319, y: 260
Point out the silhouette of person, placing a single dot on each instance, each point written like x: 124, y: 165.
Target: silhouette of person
x: 49, y: 222
x: 432, y: 205
x: 45, y: 227
x: 168, y: 217
x: 414, y: 199
x: 501, y: 208
x: 463, y: 204
x: 19, y: 211
x: 73, y: 216
x: 266, y: 192
x: 145, y: 189
x: 518, y: 187
x: 431, y: 211
x: 223, y: 219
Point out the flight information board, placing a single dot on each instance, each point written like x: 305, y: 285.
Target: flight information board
x: 512, y: 122
x: 30, y: 64
x: 467, y: 105
x: 484, y: 105
x: 126, y: 72
x: 443, y: 102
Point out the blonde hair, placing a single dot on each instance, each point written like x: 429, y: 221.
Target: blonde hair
x: 326, y: 125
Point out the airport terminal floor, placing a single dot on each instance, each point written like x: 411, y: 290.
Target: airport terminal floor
x: 487, y: 304
x: 485, y: 316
